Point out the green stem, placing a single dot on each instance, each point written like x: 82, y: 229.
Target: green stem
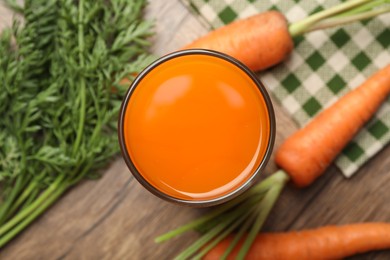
x: 239, y: 235
x: 73, y: 180
x: 365, y: 7
x: 228, y: 219
x: 336, y: 21
x: 298, y: 28
x: 223, y: 235
x: 4, y: 239
x: 281, y: 178
x: 32, y: 204
x: 21, y: 199
x: 31, y: 198
x: 82, y: 93
x: 19, y: 184
x: 259, y: 188
x: 206, y: 238
x: 82, y: 116
x: 98, y: 126
x: 28, y: 210
x: 265, y: 208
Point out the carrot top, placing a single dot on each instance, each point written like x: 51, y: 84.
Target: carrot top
x: 350, y: 11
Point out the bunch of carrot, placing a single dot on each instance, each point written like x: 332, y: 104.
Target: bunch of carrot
x: 304, y: 156
x: 328, y: 133
x: 259, y: 42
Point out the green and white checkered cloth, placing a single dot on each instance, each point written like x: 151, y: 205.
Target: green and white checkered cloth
x: 323, y: 65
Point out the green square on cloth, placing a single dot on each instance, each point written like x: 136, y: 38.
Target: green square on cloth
x: 322, y: 67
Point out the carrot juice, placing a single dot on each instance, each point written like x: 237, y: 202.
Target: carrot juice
x: 196, y: 126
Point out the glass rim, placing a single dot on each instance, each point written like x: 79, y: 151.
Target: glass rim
x: 209, y: 202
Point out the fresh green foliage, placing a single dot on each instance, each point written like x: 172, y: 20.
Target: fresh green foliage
x: 60, y: 93
x: 350, y: 11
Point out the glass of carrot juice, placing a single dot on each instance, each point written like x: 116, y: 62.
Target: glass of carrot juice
x: 196, y: 128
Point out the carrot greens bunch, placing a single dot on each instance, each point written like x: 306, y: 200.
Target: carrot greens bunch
x: 58, y: 109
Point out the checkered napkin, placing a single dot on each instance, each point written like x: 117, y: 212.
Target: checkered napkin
x: 323, y: 65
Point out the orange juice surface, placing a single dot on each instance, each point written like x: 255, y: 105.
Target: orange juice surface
x: 196, y: 127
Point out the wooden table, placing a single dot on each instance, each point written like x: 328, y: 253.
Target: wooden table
x: 116, y: 218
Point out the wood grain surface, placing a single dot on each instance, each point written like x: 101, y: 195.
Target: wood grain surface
x: 115, y: 218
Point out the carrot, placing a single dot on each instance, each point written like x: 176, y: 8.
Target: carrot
x: 259, y: 41
x: 329, y: 242
x: 265, y: 39
x: 307, y: 153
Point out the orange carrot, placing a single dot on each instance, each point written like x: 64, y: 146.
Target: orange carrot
x: 306, y: 154
x: 265, y: 39
x: 260, y: 41
x: 330, y: 242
